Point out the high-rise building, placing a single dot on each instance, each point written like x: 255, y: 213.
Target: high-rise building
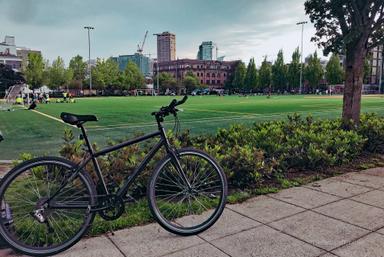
x: 205, y: 51
x: 23, y: 53
x: 142, y: 62
x: 166, y: 47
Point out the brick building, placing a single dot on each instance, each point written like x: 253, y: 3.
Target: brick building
x: 214, y: 74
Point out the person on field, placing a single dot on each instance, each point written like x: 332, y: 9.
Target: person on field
x: 65, y: 95
x: 32, y: 106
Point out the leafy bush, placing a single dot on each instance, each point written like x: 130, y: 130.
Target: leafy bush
x: 251, y: 155
x: 372, y: 128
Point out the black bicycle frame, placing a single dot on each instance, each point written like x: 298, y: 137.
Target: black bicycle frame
x: 93, y: 157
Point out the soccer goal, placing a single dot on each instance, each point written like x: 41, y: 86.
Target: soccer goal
x: 13, y: 95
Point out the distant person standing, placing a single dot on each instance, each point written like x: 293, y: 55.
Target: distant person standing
x: 65, y: 95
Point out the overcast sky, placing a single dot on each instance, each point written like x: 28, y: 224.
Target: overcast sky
x: 241, y: 28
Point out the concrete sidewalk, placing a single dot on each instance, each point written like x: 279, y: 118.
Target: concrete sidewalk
x: 340, y: 216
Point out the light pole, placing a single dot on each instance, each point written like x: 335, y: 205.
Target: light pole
x: 301, y: 55
x: 157, y: 77
x: 89, y: 58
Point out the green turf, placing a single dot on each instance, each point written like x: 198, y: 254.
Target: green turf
x: 121, y: 117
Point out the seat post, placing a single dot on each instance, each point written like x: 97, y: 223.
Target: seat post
x: 85, y: 137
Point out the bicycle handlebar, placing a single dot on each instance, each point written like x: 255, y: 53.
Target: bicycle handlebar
x: 170, y: 109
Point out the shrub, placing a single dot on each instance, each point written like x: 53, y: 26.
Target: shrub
x: 372, y: 128
x: 251, y: 155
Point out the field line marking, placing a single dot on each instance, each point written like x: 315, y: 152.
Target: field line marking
x: 53, y: 118
x: 248, y: 116
x: 219, y: 111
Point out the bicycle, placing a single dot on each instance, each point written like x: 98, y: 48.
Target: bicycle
x: 54, y: 201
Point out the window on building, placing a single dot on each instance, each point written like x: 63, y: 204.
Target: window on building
x: 213, y: 75
x: 207, y: 74
x: 201, y: 81
x: 213, y: 81
x: 208, y: 81
x: 225, y: 74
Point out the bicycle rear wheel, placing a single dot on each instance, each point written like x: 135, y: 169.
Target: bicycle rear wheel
x: 185, y: 210
x: 32, y: 225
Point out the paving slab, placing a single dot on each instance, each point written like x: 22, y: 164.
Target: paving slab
x: 337, y: 187
x: 9, y: 253
x: 95, y: 247
x: 374, y: 172
x: 371, y: 245
x: 203, y: 250
x: 265, y: 209
x: 229, y: 223
x: 375, y: 198
x: 359, y: 214
x: 151, y: 240
x: 319, y: 230
x: 265, y: 242
x: 362, y: 179
x: 305, y: 197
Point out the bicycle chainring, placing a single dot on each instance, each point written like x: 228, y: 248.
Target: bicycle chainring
x: 114, y: 208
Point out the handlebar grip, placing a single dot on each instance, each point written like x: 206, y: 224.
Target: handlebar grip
x: 182, y: 100
x: 172, y: 104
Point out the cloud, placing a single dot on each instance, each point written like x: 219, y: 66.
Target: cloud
x: 241, y: 28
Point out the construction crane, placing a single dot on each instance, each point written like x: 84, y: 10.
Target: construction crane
x: 140, y: 49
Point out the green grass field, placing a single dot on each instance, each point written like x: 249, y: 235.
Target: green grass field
x: 121, y: 117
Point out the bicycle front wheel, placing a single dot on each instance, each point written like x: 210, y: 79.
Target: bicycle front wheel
x: 30, y: 223
x: 187, y: 207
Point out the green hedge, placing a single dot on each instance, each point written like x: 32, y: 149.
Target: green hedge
x: 263, y: 152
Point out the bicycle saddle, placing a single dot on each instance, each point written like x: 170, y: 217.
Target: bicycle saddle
x: 75, y: 119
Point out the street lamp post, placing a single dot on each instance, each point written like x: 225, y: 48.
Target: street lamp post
x: 301, y: 55
x: 89, y: 58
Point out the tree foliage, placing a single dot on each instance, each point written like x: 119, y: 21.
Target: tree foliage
x: 352, y: 27
x: 133, y: 78
x: 293, y: 74
x: 79, y: 67
x: 265, y: 74
x: 313, y: 72
x: 239, y: 76
x: 250, y: 80
x: 167, y: 81
x: 279, y: 72
x: 34, y: 72
x: 8, y: 77
x: 58, y: 76
x: 190, y: 81
x: 334, y: 72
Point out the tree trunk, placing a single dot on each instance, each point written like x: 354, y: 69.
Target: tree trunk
x: 353, y: 85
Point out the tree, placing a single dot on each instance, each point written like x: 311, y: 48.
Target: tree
x: 334, y: 72
x: 166, y: 81
x: 293, y: 74
x: 250, y: 80
x: 35, y: 69
x: 239, y: 76
x: 79, y: 68
x: 134, y: 79
x: 353, y: 26
x: 313, y: 72
x: 265, y: 74
x: 279, y: 73
x: 106, y: 74
x: 190, y: 81
x: 8, y: 77
x: 57, y: 74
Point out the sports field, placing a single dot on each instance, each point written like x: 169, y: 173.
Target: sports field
x: 41, y: 131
